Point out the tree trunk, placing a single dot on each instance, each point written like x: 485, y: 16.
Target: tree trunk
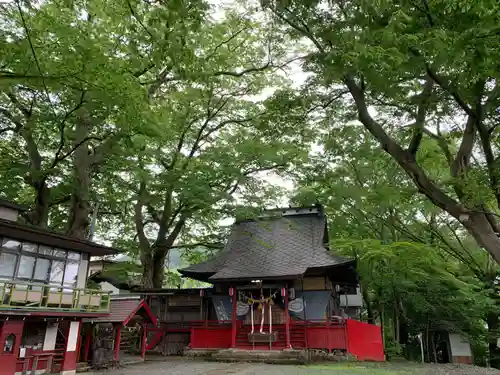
x: 477, y: 223
x: 158, y: 271
x: 433, y: 345
x: 80, y: 208
x: 404, y: 337
x: 396, y: 323
x: 147, y: 267
x: 153, y: 264
x: 39, y: 216
x: 479, y: 227
x: 368, y: 304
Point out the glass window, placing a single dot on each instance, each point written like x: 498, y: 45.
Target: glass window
x: 42, y: 269
x: 10, y: 341
x: 7, y: 243
x: 7, y: 264
x: 59, y: 253
x: 31, y: 247
x: 74, y: 256
x: 71, y: 273
x: 26, y: 265
x: 56, y: 272
x: 45, y: 250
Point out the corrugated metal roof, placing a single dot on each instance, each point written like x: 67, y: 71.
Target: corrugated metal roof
x: 277, y: 247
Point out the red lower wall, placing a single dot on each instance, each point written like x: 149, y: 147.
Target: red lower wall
x: 365, y: 341
x: 360, y: 339
x: 331, y: 338
x: 210, y: 338
x: 8, y: 359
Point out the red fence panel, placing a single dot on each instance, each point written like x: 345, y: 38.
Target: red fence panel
x: 365, y: 341
x: 210, y: 338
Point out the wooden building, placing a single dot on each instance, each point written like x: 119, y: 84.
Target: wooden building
x: 43, y: 298
x: 276, y: 286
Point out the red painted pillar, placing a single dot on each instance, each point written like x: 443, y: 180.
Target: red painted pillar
x: 88, y: 341
x: 233, y: 327
x: 118, y: 337
x: 287, y: 320
x: 144, y: 338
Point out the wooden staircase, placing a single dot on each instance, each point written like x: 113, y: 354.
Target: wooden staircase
x: 298, y: 339
x: 60, y: 347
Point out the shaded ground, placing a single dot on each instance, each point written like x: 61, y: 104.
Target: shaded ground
x: 192, y: 367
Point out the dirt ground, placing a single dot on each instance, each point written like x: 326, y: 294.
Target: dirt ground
x: 194, y: 367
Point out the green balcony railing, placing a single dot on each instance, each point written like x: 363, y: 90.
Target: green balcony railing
x: 19, y: 295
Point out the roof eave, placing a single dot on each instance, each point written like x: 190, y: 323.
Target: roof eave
x: 13, y: 206
x: 199, y: 276
x: 40, y: 236
x: 264, y: 278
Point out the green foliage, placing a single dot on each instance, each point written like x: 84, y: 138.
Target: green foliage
x: 417, y: 267
x: 422, y: 79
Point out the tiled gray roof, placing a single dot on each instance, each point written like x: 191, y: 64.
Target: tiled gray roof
x: 279, y: 247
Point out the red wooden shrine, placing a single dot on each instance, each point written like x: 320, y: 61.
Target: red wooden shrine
x: 276, y: 286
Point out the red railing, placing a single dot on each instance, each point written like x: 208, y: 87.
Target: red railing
x: 360, y: 339
x: 199, y: 330
x: 318, y: 323
x: 36, y: 360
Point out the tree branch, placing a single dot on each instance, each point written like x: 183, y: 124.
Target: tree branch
x: 445, y: 85
x: 139, y: 225
x: 418, y: 131
x: 62, y: 127
x: 243, y: 72
x: 11, y: 118
x: 402, y: 157
x: 225, y: 42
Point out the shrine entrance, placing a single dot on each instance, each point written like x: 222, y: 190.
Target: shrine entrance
x: 261, y: 318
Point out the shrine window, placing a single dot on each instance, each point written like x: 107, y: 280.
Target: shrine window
x: 38, y: 263
x: 10, y: 341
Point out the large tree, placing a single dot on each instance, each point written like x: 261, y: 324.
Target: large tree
x: 75, y: 78
x: 209, y: 135
x: 413, y: 71
x: 374, y: 214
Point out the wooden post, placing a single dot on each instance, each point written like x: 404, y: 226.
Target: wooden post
x: 287, y: 320
x: 118, y: 337
x: 35, y: 365
x: 144, y: 339
x: 233, y: 326
x: 50, y: 360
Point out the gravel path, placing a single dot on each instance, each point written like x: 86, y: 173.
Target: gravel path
x: 191, y: 367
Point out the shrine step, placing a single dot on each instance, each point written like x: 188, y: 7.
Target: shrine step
x: 263, y: 356
x: 260, y: 346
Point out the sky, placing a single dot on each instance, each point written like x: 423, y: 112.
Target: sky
x: 297, y: 78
